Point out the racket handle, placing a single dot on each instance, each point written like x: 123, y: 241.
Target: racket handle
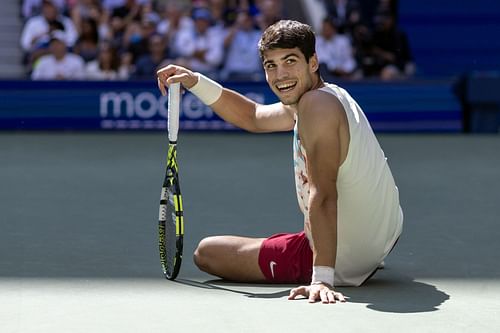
x: 174, y: 95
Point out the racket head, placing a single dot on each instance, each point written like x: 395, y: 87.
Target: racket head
x: 171, y: 219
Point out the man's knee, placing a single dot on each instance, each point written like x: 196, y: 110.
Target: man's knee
x: 204, y: 254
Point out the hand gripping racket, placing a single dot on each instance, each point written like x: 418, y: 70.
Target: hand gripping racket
x: 171, y: 219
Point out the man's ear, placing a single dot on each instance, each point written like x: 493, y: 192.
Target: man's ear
x: 314, y: 63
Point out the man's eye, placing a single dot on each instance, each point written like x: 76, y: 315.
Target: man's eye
x: 270, y: 66
x: 290, y: 61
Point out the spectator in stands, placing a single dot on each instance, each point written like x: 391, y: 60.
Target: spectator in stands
x: 121, y: 17
x: 172, y: 22
x: 32, y: 8
x: 269, y: 12
x: 42, y: 46
x: 242, y: 56
x: 110, y: 5
x: 60, y: 64
x: 230, y: 10
x: 81, y: 10
x: 334, y: 52
x: 218, y: 10
x: 390, y: 6
x: 367, y: 61
x: 345, y: 13
x: 136, y: 39
x: 87, y: 44
x: 201, y: 49
x: 149, y: 13
x: 147, y: 65
x: 391, y: 48
x: 107, y: 66
x: 367, y: 10
x: 37, y: 28
x: 112, y: 33
x: 85, y: 9
x: 124, y: 15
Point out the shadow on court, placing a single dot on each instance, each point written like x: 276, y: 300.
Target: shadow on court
x: 392, y: 293
x: 228, y: 286
x: 397, y: 294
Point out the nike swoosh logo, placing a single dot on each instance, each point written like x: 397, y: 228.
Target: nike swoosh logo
x: 271, y: 266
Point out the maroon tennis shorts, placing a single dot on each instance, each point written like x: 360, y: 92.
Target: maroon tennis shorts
x: 286, y: 258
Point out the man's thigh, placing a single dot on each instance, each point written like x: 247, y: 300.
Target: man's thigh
x: 230, y: 257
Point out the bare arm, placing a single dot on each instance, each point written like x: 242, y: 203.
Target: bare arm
x: 232, y: 106
x: 251, y: 116
x: 319, y: 130
x: 320, y: 119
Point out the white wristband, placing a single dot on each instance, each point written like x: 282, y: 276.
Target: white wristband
x: 207, y: 90
x: 323, y: 274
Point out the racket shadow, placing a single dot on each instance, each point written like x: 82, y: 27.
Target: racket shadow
x: 225, y: 285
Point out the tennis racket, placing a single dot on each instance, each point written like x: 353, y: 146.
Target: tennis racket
x: 171, y: 217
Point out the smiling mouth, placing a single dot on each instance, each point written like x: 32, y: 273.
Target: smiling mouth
x: 286, y: 86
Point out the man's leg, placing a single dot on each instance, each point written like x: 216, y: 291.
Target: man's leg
x: 230, y: 257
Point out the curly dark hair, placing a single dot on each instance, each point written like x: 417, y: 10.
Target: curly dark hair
x: 288, y: 34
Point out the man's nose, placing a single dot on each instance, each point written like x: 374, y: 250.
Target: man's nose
x: 281, y: 73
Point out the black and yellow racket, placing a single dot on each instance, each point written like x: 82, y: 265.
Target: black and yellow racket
x: 171, y: 217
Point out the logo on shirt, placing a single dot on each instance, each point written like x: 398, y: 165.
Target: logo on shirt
x: 271, y: 266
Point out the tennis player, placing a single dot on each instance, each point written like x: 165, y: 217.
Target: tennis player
x: 352, y: 215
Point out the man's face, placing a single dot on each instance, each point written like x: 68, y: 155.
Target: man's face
x: 327, y: 30
x: 156, y: 45
x: 58, y: 48
x: 202, y: 25
x: 49, y: 11
x: 288, y: 73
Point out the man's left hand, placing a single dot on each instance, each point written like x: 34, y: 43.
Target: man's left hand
x: 317, y: 292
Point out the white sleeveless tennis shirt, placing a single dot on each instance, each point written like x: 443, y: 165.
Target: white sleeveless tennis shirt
x: 369, y: 217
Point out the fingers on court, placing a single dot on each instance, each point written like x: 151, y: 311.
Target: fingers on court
x: 330, y: 297
x: 326, y: 296
x: 314, y: 295
x: 300, y: 291
x: 340, y: 297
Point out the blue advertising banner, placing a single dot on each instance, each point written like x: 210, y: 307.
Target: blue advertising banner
x: 106, y: 105
x: 138, y: 105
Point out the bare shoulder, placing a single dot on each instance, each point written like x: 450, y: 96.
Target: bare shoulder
x: 323, y: 121
x: 320, y: 107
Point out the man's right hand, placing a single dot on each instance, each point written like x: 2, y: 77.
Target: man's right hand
x: 318, y: 292
x: 172, y: 74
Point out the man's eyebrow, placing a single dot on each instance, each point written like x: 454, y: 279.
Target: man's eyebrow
x: 286, y: 56
x: 268, y: 62
x: 293, y: 54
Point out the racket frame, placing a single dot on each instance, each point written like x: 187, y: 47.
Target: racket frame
x: 171, y: 193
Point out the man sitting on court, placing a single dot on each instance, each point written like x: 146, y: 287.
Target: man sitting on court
x: 352, y: 215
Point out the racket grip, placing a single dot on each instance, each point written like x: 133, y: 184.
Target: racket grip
x: 174, y: 95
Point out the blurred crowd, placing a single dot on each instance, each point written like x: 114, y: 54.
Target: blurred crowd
x: 130, y: 39
x: 361, y: 39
